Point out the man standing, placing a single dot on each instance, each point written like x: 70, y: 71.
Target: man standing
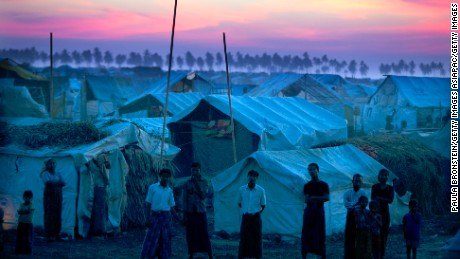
x: 350, y: 201
x: 252, y: 202
x: 314, y: 222
x: 99, y: 170
x: 384, y: 194
x: 194, y: 196
x: 160, y: 202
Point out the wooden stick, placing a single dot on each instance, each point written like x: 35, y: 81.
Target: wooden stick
x: 229, y: 93
x: 165, y: 109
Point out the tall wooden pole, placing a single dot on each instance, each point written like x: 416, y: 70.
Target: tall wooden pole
x: 165, y: 109
x: 51, y: 76
x: 229, y: 93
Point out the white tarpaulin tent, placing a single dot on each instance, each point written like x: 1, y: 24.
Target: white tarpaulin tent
x: 283, y: 175
x: 21, y: 171
x: 261, y: 123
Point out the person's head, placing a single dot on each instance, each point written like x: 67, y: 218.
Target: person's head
x: 313, y: 170
x: 413, y: 204
x: 165, y: 174
x: 252, y: 177
x: 50, y: 165
x: 27, y: 196
x: 383, y: 176
x: 196, y: 170
x: 357, y: 181
x: 363, y: 201
x: 374, y: 206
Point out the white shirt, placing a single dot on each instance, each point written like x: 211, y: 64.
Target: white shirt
x: 350, y: 197
x: 160, y: 198
x: 251, y: 200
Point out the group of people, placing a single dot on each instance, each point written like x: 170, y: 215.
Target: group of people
x: 366, y: 230
x: 160, y: 210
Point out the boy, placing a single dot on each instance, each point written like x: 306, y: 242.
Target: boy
x: 376, y: 225
x: 363, y: 238
x: 25, y: 231
x: 411, y: 227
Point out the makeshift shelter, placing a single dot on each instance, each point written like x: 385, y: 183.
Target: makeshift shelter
x: 204, y: 134
x: 407, y: 102
x: 283, y: 174
x: 17, y: 102
x: 22, y: 166
x: 182, y: 82
x: 308, y: 88
x: 152, y: 104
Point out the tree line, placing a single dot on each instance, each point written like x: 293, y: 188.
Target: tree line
x: 238, y: 61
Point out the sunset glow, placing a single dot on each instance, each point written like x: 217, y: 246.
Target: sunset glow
x: 335, y: 27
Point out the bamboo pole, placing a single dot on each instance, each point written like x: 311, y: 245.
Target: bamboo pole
x: 165, y: 109
x: 229, y: 93
x: 51, y: 102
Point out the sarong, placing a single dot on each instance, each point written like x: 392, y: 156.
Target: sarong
x: 363, y: 244
x: 157, y: 241
x: 197, y: 233
x: 99, y: 211
x: 250, y: 236
x: 314, y: 231
x: 52, y: 204
x: 24, y: 238
x: 349, y: 246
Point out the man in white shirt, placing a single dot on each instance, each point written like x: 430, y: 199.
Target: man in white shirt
x: 160, y: 202
x: 350, y: 201
x: 252, y: 202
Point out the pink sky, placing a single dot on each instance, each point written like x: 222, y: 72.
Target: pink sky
x: 384, y: 30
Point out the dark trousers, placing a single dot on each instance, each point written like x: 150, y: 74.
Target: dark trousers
x: 24, y: 238
x: 250, y: 236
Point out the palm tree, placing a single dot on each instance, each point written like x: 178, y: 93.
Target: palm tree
x: 148, y: 58
x: 87, y: 56
x: 352, y: 67
x: 307, y: 61
x: 219, y: 59
x: 180, y: 62
x: 209, y: 58
x: 97, y: 56
x: 77, y: 58
x: 120, y: 59
x: 108, y: 57
x: 363, y: 68
x: 200, y: 63
x: 65, y: 57
x: 190, y: 60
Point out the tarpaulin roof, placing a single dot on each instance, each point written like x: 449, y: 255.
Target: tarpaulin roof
x: 422, y: 91
x: 12, y: 66
x: 107, y: 88
x: 281, y: 123
x: 315, y: 91
x: 176, y: 101
x: 331, y: 82
x: 283, y: 174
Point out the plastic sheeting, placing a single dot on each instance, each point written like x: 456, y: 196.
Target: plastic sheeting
x: 283, y: 175
x: 281, y: 123
x: 21, y: 168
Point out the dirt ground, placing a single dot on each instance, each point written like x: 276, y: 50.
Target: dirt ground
x: 435, y: 233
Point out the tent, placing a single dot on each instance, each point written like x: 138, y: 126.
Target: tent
x: 305, y: 86
x: 16, y: 101
x: 151, y: 104
x: 204, y: 134
x: 283, y: 174
x: 21, y: 167
x: 407, y: 102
